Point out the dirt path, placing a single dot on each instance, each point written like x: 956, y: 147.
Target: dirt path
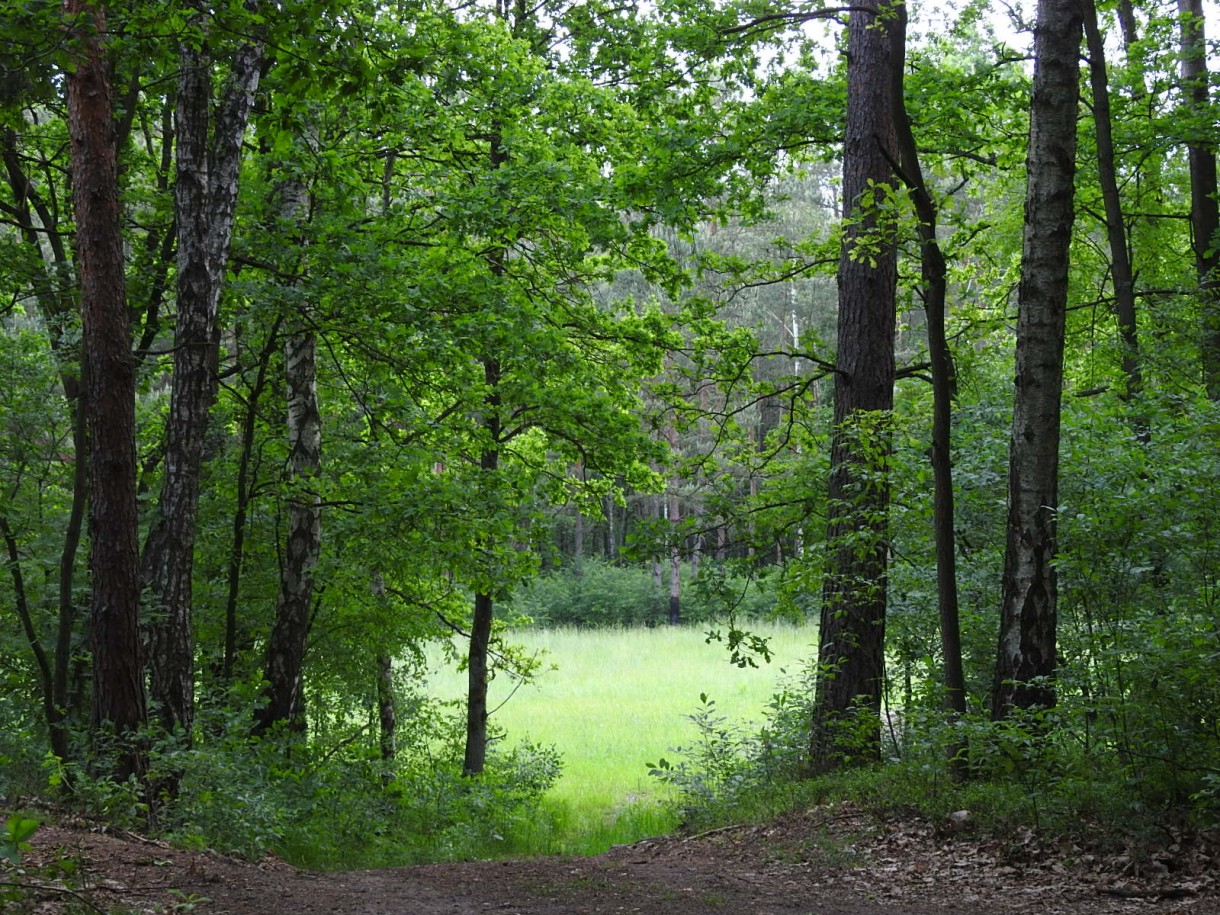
x: 825, y: 862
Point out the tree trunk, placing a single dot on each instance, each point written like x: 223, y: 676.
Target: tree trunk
x: 1026, y: 657
x: 475, y: 756
x: 205, y: 197
x: 484, y: 608
x: 611, y: 534
x: 933, y: 280
x: 241, y: 506
x: 52, y: 291
x: 386, y: 715
x: 1204, y: 209
x: 578, y: 524
x: 1126, y: 23
x: 659, y: 512
x: 852, y: 630
x: 286, y: 646
x: 43, y: 663
x: 118, y: 678
x: 675, y: 559
x: 67, y: 575
x: 673, y: 513
x: 1121, y: 271
x: 477, y: 678
x: 696, y: 512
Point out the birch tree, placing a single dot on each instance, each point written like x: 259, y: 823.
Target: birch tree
x: 209, y: 156
x: 1026, y: 659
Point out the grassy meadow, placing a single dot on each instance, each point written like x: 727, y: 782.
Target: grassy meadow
x: 612, y: 701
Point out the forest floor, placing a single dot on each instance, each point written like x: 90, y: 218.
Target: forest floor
x: 826, y: 861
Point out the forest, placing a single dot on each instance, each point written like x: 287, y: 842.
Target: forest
x: 342, y: 340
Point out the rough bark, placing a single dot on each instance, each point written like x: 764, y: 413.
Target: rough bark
x: 852, y: 629
x: 286, y: 646
x: 933, y: 279
x: 118, y: 678
x: 205, y: 198
x: 1204, y: 208
x: 1026, y: 656
x: 1121, y: 271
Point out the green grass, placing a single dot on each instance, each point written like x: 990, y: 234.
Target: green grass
x: 615, y: 701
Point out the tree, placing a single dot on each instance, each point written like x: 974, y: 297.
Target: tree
x: 52, y: 282
x: 934, y: 279
x: 294, y: 607
x: 118, y: 676
x: 851, y: 638
x: 1121, y: 269
x: 1204, y: 206
x: 209, y: 155
x: 1026, y: 659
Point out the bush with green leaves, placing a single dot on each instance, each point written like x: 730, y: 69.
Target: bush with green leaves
x: 600, y: 594
x: 733, y: 770
x: 337, y: 803
x: 329, y: 801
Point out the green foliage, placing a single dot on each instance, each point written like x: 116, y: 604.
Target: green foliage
x: 14, y: 840
x: 329, y: 806
x: 1063, y: 771
x: 23, y: 886
x: 733, y: 772
x: 22, y: 744
x: 595, y: 593
x: 599, y: 594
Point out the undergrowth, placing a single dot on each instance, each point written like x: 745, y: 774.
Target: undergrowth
x: 332, y: 803
x: 1052, y: 772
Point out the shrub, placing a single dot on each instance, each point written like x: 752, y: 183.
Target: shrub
x: 599, y: 594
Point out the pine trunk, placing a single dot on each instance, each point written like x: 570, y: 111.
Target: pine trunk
x: 118, y: 677
x: 847, y: 703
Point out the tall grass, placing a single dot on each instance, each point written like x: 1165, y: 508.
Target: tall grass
x: 612, y: 701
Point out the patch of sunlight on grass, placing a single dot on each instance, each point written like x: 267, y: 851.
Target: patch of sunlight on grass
x: 617, y: 700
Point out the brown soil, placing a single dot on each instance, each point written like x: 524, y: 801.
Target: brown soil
x: 828, y: 861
